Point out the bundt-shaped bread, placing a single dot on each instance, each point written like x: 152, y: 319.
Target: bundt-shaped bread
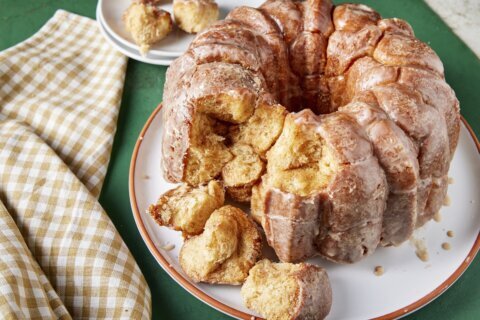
x: 362, y: 158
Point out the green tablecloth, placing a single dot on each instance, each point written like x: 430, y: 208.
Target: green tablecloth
x: 143, y: 91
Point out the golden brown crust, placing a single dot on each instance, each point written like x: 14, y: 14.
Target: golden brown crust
x: 397, y: 156
x: 401, y: 50
x: 287, y: 15
x: 395, y: 25
x: 353, y: 17
x: 344, y: 47
x: 388, y: 147
x: 297, y: 225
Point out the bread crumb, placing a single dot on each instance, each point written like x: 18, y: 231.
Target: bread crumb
x: 450, y: 180
x: 446, y: 246
x: 422, y: 255
x: 420, y: 248
x: 168, y: 247
x: 450, y: 233
x: 378, y: 271
x: 146, y: 177
x: 447, y: 201
x: 437, y: 217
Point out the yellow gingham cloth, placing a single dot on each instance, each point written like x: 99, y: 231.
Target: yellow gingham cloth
x: 60, y: 255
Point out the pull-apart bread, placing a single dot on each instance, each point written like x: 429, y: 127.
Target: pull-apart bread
x: 186, y: 208
x: 193, y: 16
x: 225, y: 251
x: 341, y: 123
x: 285, y: 291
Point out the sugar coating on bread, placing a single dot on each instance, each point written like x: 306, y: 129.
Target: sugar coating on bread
x: 281, y: 291
x: 362, y: 158
x: 318, y: 164
x: 187, y: 208
x: 146, y: 24
x: 226, y: 250
x: 193, y: 16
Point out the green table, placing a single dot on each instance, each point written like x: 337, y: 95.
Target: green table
x: 19, y: 19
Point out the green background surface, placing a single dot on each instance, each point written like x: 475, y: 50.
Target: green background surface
x: 19, y: 19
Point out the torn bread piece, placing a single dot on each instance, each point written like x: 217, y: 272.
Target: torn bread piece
x: 225, y: 251
x: 147, y: 24
x: 193, y: 16
x: 286, y: 291
x: 187, y: 208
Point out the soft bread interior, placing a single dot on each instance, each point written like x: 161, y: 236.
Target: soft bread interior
x: 241, y: 173
x: 207, y: 153
x: 257, y: 204
x: 225, y: 251
x: 203, y: 254
x: 193, y: 17
x: 272, y: 290
x: 234, y: 107
x: 262, y: 129
x: 146, y: 24
x: 229, y: 137
x: 186, y: 208
x: 300, y: 162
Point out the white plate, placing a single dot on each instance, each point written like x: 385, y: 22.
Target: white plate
x: 175, y: 43
x: 132, y: 53
x: 407, y: 284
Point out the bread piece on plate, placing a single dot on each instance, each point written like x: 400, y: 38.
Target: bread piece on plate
x: 186, y: 208
x: 146, y: 24
x: 285, y: 291
x: 225, y: 251
x: 193, y: 16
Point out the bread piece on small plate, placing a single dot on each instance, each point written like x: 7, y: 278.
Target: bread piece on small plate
x: 225, y: 251
x: 187, y: 208
x: 146, y: 24
x: 193, y: 16
x: 286, y: 291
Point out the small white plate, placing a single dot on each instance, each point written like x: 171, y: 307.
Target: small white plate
x: 407, y: 284
x: 175, y: 43
x: 132, y: 53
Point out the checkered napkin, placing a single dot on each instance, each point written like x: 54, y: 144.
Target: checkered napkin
x: 60, y: 255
